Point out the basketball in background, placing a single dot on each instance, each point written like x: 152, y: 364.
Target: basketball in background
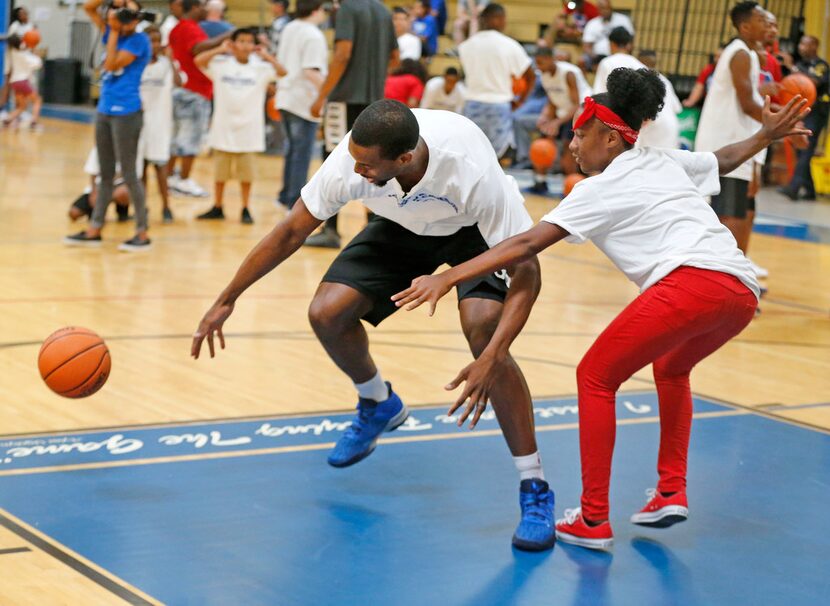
x: 542, y: 153
x: 271, y: 109
x: 74, y: 362
x: 519, y: 87
x: 797, y: 84
x: 31, y: 38
x: 570, y: 181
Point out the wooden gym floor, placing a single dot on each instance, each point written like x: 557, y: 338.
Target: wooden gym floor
x: 147, y: 306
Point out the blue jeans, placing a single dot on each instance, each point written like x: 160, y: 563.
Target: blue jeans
x: 300, y: 134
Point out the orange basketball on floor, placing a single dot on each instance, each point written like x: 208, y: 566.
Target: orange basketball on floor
x: 519, y: 86
x: 570, y: 181
x: 74, y: 362
x: 797, y: 84
x: 542, y: 153
x: 31, y: 38
x: 271, y: 109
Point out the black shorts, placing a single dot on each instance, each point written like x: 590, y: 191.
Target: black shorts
x: 384, y: 258
x: 732, y: 201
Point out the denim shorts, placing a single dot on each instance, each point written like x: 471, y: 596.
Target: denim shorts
x: 191, y: 120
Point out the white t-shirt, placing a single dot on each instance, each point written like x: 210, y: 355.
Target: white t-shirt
x: 558, y: 91
x: 722, y: 121
x: 166, y: 27
x: 24, y: 64
x: 409, y: 46
x: 463, y: 185
x: 664, y: 130
x: 435, y: 97
x: 157, y: 94
x: 238, y: 123
x: 302, y: 46
x: 16, y: 28
x: 490, y: 61
x: 597, y: 30
x: 648, y: 213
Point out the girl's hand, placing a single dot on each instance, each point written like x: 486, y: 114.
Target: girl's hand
x: 112, y: 21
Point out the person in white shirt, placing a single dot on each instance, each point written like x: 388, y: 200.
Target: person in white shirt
x: 646, y: 210
x: 445, y: 92
x: 24, y: 64
x: 19, y: 25
x: 491, y: 61
x: 565, y: 86
x: 171, y: 21
x: 732, y: 111
x: 237, y: 128
x: 439, y: 196
x: 304, y: 54
x: 409, y: 45
x: 664, y: 130
x: 156, y: 90
x: 595, y: 43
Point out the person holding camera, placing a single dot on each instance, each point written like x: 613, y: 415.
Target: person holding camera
x: 119, y: 120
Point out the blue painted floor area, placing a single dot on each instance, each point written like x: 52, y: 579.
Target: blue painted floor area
x: 427, y: 519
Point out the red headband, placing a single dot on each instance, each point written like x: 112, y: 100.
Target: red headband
x: 607, y: 117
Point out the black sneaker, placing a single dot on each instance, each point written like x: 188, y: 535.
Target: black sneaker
x: 81, y: 239
x: 135, y: 244
x: 539, y: 187
x: 215, y: 213
x: 328, y: 238
x: 786, y: 191
x: 123, y: 213
x: 167, y: 216
x: 247, y: 219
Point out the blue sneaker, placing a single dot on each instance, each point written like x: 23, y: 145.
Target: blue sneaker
x: 536, y: 531
x: 373, y: 418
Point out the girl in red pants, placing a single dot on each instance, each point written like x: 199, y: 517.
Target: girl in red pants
x: 646, y: 209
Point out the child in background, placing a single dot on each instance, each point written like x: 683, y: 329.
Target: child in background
x: 156, y: 90
x: 406, y: 84
x: 237, y: 129
x: 425, y: 27
x: 24, y: 63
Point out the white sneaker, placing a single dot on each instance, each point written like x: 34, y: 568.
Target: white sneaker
x: 191, y: 188
x: 760, y: 272
x: 173, y: 181
x: 3, y: 114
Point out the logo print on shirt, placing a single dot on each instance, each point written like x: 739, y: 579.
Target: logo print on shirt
x: 423, y: 197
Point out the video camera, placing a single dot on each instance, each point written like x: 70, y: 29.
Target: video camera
x: 128, y: 15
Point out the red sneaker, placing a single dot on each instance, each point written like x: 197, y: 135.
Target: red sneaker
x: 573, y: 529
x: 662, y: 512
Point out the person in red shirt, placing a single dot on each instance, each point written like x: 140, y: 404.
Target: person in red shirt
x: 698, y: 94
x: 406, y: 84
x: 568, y: 24
x: 191, y: 103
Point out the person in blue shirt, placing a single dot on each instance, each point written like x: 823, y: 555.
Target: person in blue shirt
x: 214, y: 23
x: 439, y: 11
x: 119, y: 120
x: 425, y: 27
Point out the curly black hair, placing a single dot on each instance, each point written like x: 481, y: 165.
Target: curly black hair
x: 634, y: 95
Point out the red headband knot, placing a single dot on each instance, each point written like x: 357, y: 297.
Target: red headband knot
x: 607, y: 117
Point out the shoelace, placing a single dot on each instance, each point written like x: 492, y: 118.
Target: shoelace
x: 572, y: 515
x: 651, y: 493
x: 360, y: 423
x: 535, y: 506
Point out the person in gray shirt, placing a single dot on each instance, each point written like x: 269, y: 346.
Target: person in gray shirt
x: 365, y: 49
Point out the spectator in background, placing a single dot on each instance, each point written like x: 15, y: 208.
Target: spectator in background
x: 409, y: 45
x: 595, y: 42
x: 801, y: 186
x: 406, y: 83
x: 237, y: 131
x: 425, y: 27
x: 19, y: 25
x: 365, y: 51
x: 771, y: 73
x: 214, y: 23
x: 191, y: 102
x: 491, y: 61
x: 569, y: 24
x: 24, y: 65
x: 664, y: 131
x: 119, y: 120
x: 704, y: 79
x: 279, y: 10
x: 444, y: 92
x: 467, y: 17
x: 304, y: 54
x: 171, y: 21
x: 439, y: 11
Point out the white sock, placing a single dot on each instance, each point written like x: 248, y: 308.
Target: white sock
x: 537, y: 178
x: 373, y: 389
x: 529, y: 466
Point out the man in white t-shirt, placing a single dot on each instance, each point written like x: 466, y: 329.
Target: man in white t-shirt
x: 409, y: 45
x: 439, y: 196
x: 659, y: 132
x: 732, y: 111
x: 491, y: 62
x: 445, y: 92
x: 237, y: 128
x: 304, y: 54
x: 595, y: 41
